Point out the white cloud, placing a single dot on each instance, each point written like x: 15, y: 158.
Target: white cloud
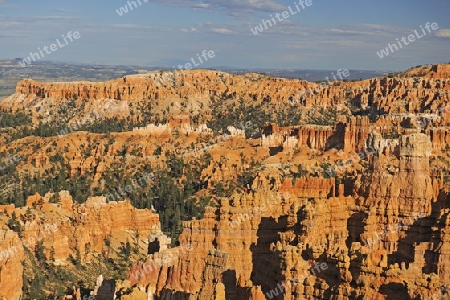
x: 443, y: 33
x: 192, y: 29
x: 222, y: 30
x: 127, y: 26
x: 368, y: 30
x: 236, y: 8
x: 63, y: 10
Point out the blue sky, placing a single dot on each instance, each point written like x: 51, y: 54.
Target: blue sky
x: 333, y: 34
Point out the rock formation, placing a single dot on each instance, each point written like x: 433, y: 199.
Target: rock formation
x: 376, y: 228
x: 11, y: 269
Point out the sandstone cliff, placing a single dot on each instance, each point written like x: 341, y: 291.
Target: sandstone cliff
x: 356, y: 207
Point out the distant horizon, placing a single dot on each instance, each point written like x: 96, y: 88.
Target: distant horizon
x: 213, y: 67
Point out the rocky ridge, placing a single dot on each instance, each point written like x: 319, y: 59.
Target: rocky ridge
x: 377, y: 229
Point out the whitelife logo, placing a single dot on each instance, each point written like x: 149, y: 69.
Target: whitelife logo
x: 205, y: 54
x: 124, y: 9
x: 52, y: 48
x: 411, y: 38
x: 188, y: 66
x: 280, y: 17
x: 9, y: 161
x: 339, y: 73
x: 279, y: 289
